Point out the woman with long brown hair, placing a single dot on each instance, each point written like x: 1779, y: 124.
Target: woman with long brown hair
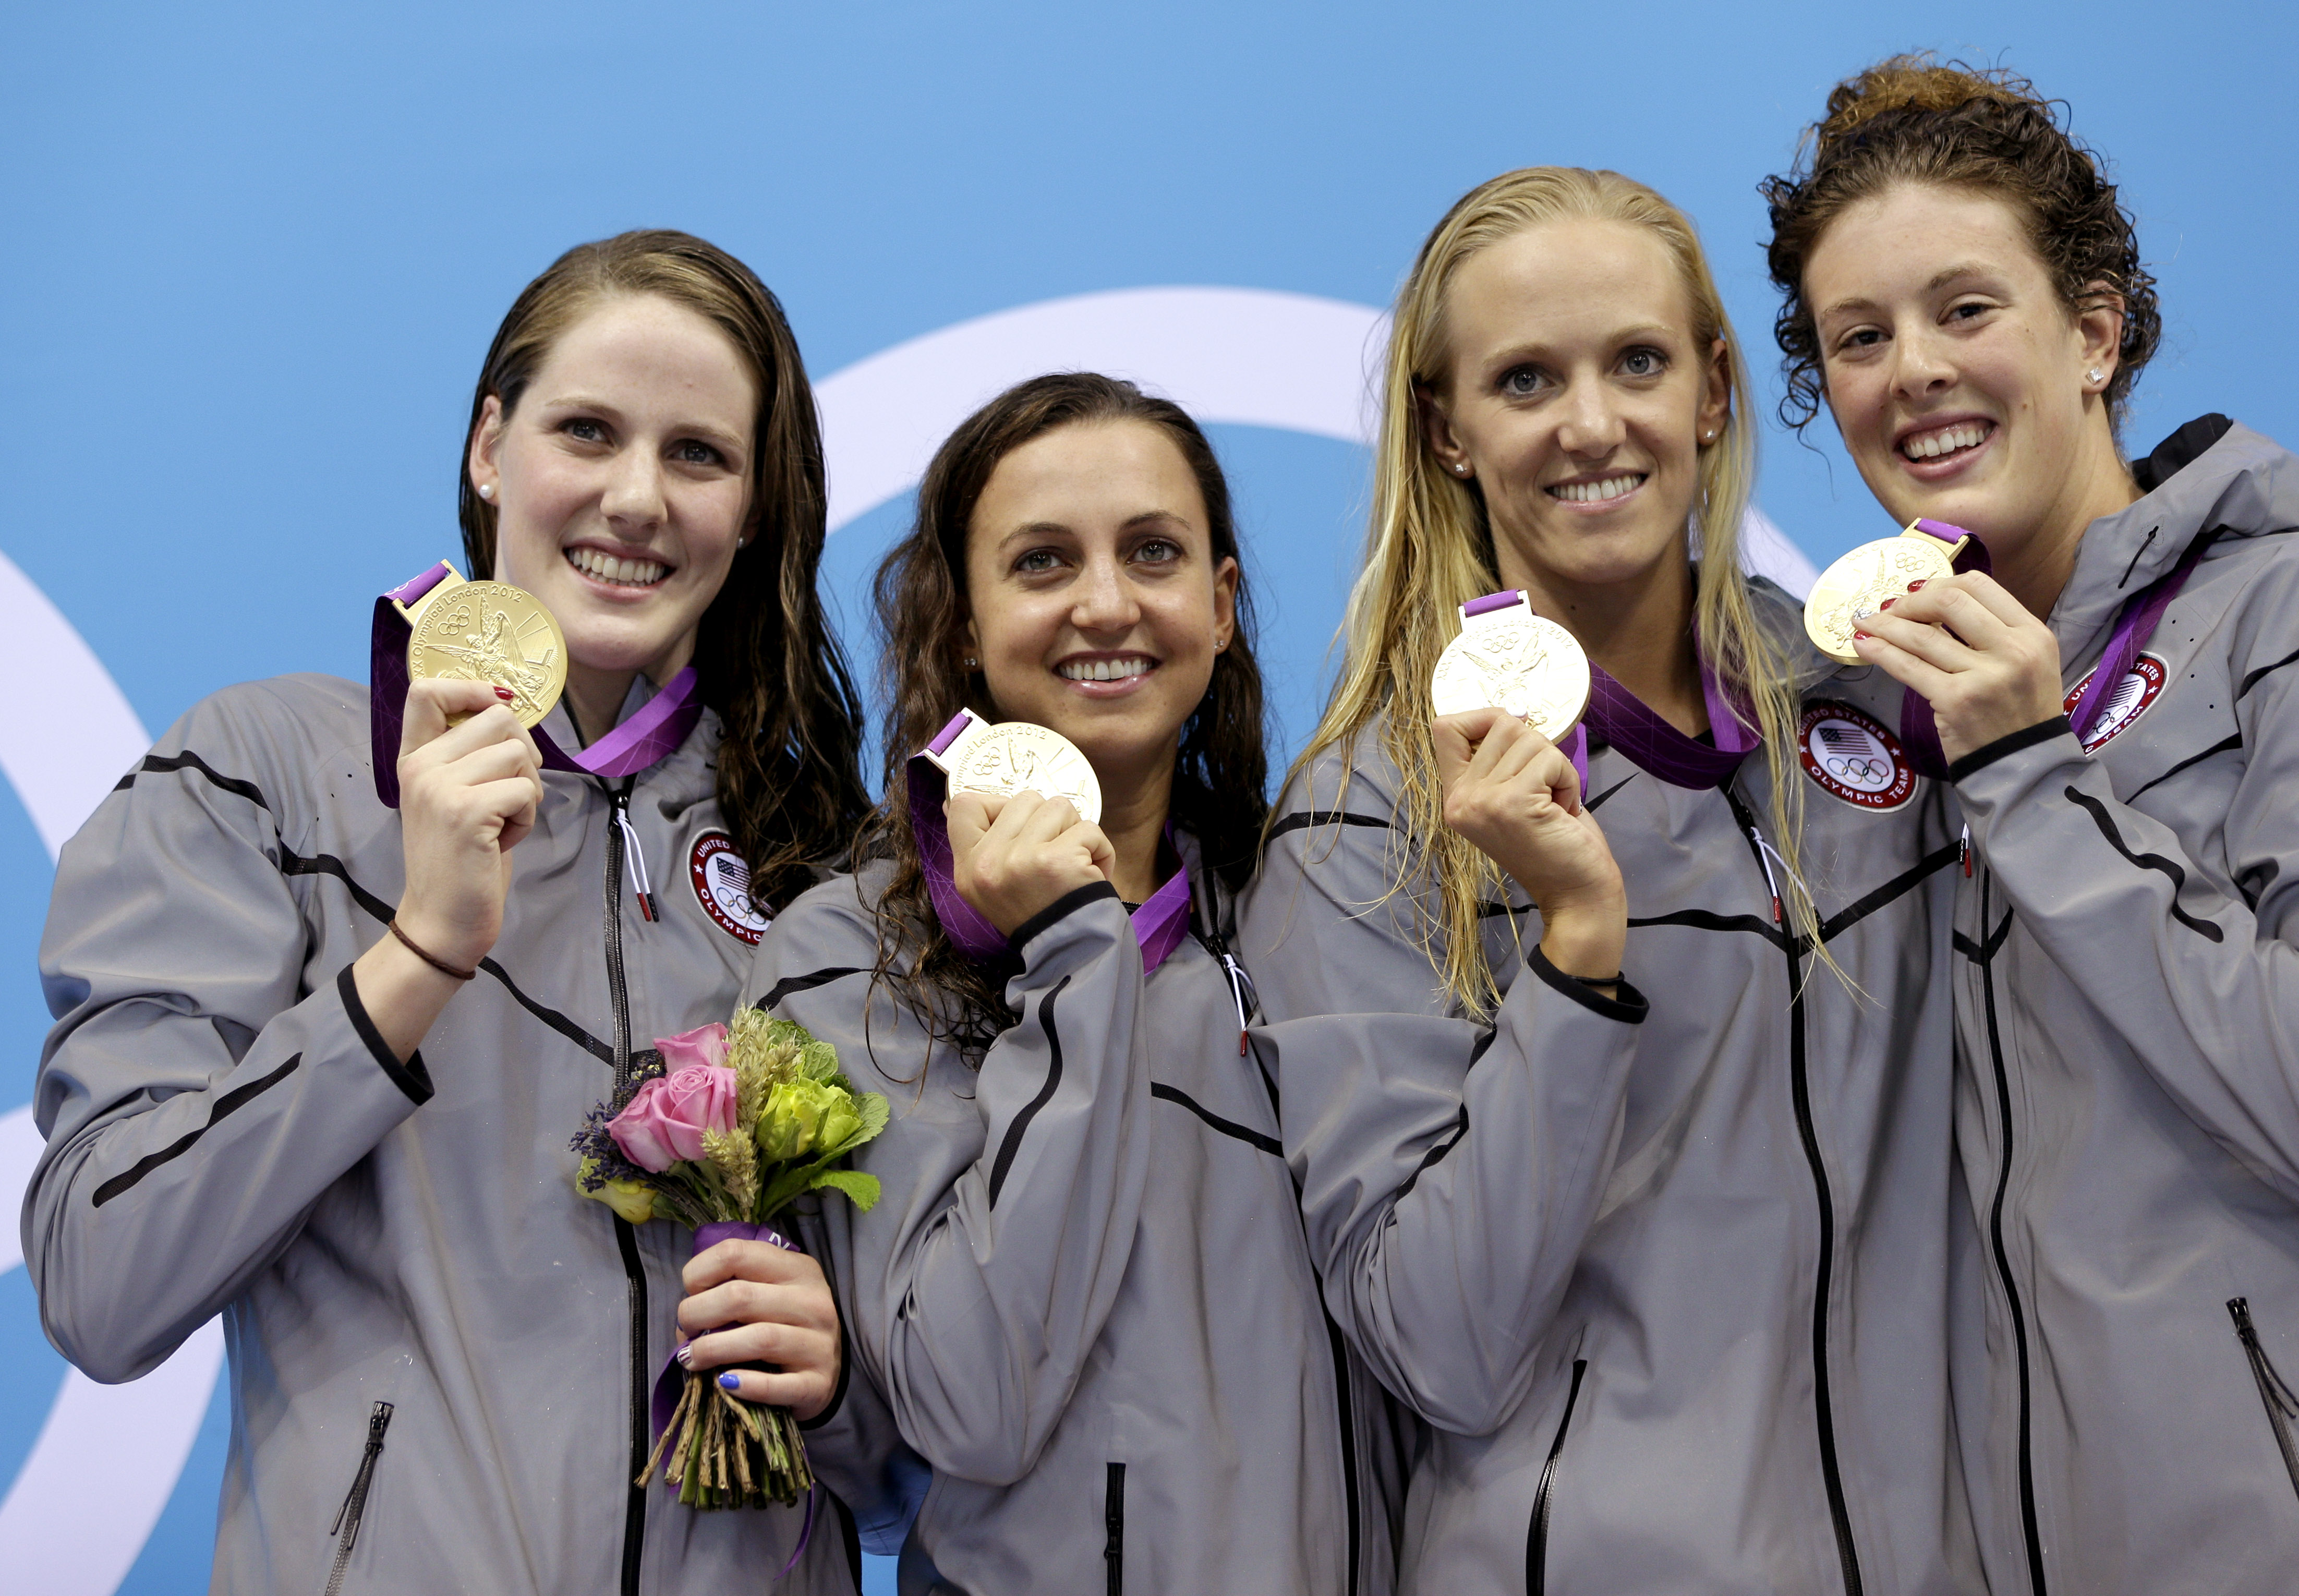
x: 1964, y: 291
x: 440, y: 1351
x: 1664, y: 1277
x: 1084, y: 1297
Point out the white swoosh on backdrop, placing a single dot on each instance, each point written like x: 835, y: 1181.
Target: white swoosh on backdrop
x: 1240, y: 356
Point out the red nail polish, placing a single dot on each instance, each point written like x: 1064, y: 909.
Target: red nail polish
x: 1887, y: 604
x: 505, y: 693
x: 1919, y: 582
x: 1857, y: 636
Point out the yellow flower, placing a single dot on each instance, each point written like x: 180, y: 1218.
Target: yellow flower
x: 632, y: 1200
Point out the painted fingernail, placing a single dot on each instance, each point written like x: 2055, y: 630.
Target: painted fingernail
x: 1917, y: 583
x: 1859, y: 636
x: 1887, y: 604
x: 686, y: 1355
x: 730, y: 1380
x: 505, y: 693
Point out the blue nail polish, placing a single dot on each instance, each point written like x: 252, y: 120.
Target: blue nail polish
x: 730, y: 1381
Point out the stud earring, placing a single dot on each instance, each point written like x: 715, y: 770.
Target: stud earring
x: 1461, y: 467
x: 487, y: 492
x: 2094, y: 376
x: 972, y: 663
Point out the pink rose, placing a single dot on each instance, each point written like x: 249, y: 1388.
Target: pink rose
x: 664, y: 1123
x: 704, y: 1044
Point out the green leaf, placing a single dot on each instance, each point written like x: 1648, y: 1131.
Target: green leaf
x: 788, y: 1030
x: 874, y: 1112
x: 861, y: 1189
x: 817, y: 1061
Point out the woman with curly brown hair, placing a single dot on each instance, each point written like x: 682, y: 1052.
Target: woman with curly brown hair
x: 1084, y: 1298
x: 2117, y: 708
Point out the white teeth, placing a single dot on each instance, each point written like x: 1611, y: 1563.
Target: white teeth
x: 607, y: 567
x: 1596, y: 493
x: 1930, y: 446
x: 1104, y: 670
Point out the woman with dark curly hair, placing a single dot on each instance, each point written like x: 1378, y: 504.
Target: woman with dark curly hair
x: 1084, y: 1297
x: 2117, y: 708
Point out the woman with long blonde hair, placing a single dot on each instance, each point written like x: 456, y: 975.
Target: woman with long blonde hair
x: 1665, y: 1278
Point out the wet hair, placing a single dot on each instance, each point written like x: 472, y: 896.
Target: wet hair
x: 1222, y: 764
x: 789, y: 779
x: 1430, y: 549
x: 1913, y: 120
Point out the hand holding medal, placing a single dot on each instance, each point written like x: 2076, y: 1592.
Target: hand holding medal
x: 1023, y: 812
x: 1507, y: 691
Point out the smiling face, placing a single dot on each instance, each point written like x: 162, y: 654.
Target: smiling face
x: 622, y: 483
x: 1959, y: 380
x: 1096, y: 603
x: 1576, y: 393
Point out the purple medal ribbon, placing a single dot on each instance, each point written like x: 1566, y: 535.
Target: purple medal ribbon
x: 1919, y: 734
x: 669, y: 1383
x: 1629, y: 724
x: 2142, y: 612
x: 1158, y: 925
x: 648, y: 737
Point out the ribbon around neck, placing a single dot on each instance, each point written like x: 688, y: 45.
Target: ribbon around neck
x: 646, y: 738
x: 2135, y: 624
x: 1919, y: 733
x: 1158, y: 925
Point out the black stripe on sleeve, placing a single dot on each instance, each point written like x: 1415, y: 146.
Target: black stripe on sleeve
x: 2146, y: 861
x: 1430, y: 1159
x: 1012, y: 1143
x: 1979, y: 758
x: 1704, y: 919
x: 1228, y: 1127
x: 157, y: 765
x: 1060, y: 909
x: 231, y: 1102
x: 409, y: 1078
x: 1303, y: 819
x: 805, y: 983
x: 2252, y: 679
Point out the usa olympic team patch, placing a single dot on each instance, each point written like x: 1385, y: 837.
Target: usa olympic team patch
x: 722, y: 885
x: 1851, y: 755
x: 2140, y: 687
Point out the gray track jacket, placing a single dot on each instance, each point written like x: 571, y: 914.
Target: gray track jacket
x: 1668, y: 1284
x: 2128, y: 1017
x: 227, y: 1133
x: 1085, y: 1295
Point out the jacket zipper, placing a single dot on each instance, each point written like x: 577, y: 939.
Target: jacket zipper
x: 1248, y: 1003
x: 626, y: 1240
x: 1535, y: 1542
x: 1113, y: 1519
x: 2029, y: 1530
x: 346, y: 1526
x: 2281, y: 1402
x: 1831, y: 1473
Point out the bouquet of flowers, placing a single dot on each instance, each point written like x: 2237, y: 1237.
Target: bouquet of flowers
x: 727, y: 1129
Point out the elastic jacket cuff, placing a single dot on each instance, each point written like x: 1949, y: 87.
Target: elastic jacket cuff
x: 1059, y: 909
x: 1630, y: 1006
x: 409, y: 1078
x: 1979, y: 758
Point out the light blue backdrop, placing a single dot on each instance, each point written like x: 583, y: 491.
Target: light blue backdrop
x: 253, y: 254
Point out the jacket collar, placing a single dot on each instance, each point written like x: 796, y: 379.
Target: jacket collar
x: 2211, y: 473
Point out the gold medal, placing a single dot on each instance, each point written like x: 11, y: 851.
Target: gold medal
x: 488, y: 632
x: 1014, y: 756
x: 1507, y: 658
x: 1855, y: 586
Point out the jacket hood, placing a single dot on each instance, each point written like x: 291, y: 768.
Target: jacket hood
x: 2211, y: 474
